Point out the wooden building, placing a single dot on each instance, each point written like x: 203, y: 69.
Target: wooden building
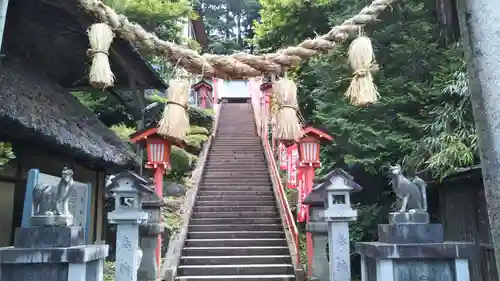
x: 44, y: 59
x: 459, y: 203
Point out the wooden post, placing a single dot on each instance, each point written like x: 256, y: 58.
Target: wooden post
x: 481, y: 34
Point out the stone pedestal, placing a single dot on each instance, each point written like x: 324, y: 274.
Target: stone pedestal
x: 410, y: 251
x: 52, y: 254
x: 320, y: 268
x: 149, y: 233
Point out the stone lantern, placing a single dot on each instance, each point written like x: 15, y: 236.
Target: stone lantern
x: 129, y: 189
x: 148, y: 233
x: 331, y: 213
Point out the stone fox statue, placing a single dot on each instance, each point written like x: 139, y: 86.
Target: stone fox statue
x: 413, y: 194
x: 49, y: 200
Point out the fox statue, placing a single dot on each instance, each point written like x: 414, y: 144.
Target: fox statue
x: 413, y: 194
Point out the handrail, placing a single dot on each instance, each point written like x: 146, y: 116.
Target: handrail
x: 174, y: 251
x: 278, y: 186
x: 261, y: 123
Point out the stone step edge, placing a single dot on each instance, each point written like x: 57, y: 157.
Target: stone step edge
x: 230, y: 277
x: 237, y: 248
x: 237, y: 265
x: 238, y: 239
x: 236, y: 257
x: 225, y: 232
x: 250, y: 213
x: 237, y: 224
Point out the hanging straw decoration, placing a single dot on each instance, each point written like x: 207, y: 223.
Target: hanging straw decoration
x: 174, y: 123
x: 100, y: 36
x: 362, y: 90
x: 288, y: 127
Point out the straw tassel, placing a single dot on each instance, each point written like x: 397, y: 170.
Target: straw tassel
x: 288, y: 127
x: 362, y: 90
x: 174, y: 123
x: 100, y: 36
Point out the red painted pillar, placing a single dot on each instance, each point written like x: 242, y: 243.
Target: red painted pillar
x: 309, y: 181
x: 158, y: 180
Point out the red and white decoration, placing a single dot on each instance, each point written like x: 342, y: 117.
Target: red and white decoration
x: 283, y: 158
x: 302, y: 209
x: 293, y: 159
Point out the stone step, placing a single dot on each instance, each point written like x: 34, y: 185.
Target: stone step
x: 234, y: 214
x: 234, y: 208
x: 235, y: 227
x: 234, y: 203
x: 226, y: 197
x: 235, y: 269
x: 234, y: 251
x: 202, y: 192
x: 249, y: 242
x: 240, y: 174
x: 288, y: 277
x: 236, y: 181
x: 214, y: 168
x: 235, y: 234
x: 227, y: 186
x: 214, y: 260
x: 240, y: 220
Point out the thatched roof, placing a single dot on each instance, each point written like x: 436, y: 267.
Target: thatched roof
x: 34, y: 108
x: 53, y: 35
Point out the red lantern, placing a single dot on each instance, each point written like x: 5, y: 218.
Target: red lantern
x: 309, y: 150
x: 158, y: 151
x: 204, y: 90
x: 309, y: 146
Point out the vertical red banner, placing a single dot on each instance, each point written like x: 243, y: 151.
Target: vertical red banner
x: 301, y: 208
x: 293, y: 158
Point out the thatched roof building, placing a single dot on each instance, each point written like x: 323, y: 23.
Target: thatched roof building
x: 45, y: 44
x: 32, y: 108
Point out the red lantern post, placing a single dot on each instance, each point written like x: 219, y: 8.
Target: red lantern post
x: 309, y: 160
x: 158, y: 158
x: 204, y: 90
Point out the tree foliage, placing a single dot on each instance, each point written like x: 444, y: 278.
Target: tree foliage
x: 416, y: 65
x: 229, y: 24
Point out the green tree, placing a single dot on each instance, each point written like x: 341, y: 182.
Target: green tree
x: 229, y: 24
x: 415, y: 67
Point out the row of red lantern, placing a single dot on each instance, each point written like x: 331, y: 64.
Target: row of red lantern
x: 158, y: 148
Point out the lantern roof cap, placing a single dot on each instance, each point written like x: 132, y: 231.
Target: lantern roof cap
x: 266, y: 86
x: 152, y: 131
x: 320, y: 191
x: 312, y: 131
x: 138, y: 182
x: 152, y: 200
x: 202, y: 83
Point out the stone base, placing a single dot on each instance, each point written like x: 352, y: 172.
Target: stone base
x: 51, y: 220
x: 410, y: 233
x: 80, y: 263
x: 317, y: 227
x: 446, y: 250
x: 48, y: 237
x: 408, y: 217
x: 410, y: 262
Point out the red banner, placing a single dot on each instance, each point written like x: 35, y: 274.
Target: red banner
x: 301, y: 208
x: 293, y: 159
x: 283, y: 157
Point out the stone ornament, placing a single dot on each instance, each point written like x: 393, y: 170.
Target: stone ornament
x: 413, y: 194
x: 50, y: 202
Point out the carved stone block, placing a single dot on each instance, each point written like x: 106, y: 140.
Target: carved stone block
x: 408, y: 217
x: 410, y: 233
x: 48, y: 237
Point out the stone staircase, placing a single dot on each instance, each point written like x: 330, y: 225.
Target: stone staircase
x: 235, y: 232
